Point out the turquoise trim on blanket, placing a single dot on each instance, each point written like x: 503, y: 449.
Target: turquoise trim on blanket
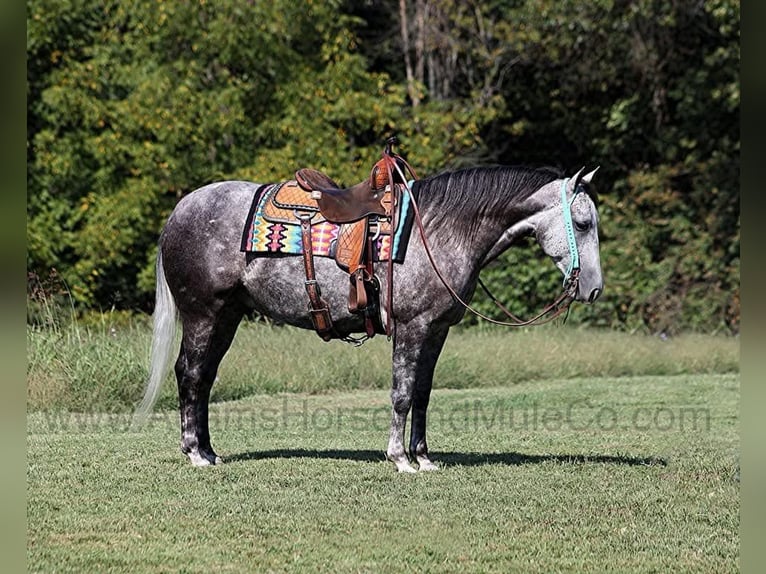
x: 405, y: 209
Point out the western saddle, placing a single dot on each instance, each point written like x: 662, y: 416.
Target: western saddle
x: 369, y: 205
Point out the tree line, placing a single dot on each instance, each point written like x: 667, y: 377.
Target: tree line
x: 132, y: 104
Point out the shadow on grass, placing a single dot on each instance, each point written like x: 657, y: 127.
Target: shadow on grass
x: 517, y: 459
x: 454, y: 458
x: 356, y: 455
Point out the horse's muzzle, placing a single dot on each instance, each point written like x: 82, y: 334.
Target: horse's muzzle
x: 594, y: 295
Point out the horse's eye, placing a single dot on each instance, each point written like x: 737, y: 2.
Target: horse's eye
x: 582, y: 226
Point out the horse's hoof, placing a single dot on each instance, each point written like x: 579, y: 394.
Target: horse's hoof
x: 198, y: 460
x: 204, y: 458
x: 402, y: 464
x: 426, y: 465
x: 405, y: 467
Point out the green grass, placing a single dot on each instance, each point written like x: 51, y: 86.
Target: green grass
x: 102, y: 367
x: 628, y: 474
x: 562, y: 450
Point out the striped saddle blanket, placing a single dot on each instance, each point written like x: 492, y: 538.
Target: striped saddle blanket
x: 272, y: 226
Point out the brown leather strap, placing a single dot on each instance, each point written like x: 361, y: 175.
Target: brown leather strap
x: 369, y: 270
x: 357, y: 295
x: 318, y: 309
x: 355, y: 255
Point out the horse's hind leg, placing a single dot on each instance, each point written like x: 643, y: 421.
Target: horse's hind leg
x: 206, y: 338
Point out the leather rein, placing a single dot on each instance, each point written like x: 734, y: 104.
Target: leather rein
x: 559, y: 306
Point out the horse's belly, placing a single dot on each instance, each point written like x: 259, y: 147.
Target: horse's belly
x: 276, y: 289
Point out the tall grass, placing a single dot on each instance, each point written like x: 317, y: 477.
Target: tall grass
x: 86, y: 368
x: 102, y: 364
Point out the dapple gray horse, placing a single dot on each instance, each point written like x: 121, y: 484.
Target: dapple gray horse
x: 469, y: 216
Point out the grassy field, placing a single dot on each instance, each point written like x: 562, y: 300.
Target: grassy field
x: 561, y: 450
x: 634, y: 474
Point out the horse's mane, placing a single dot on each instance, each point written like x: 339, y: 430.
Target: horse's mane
x: 475, y: 192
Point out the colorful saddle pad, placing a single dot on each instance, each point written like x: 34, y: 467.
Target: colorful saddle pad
x: 272, y: 226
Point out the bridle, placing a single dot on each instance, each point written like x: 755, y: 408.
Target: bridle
x: 571, y: 276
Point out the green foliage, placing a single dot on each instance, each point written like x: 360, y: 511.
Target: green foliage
x: 133, y: 104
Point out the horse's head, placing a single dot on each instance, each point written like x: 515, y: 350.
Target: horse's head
x: 567, y: 230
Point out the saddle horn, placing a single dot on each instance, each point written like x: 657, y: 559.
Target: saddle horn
x: 390, y: 143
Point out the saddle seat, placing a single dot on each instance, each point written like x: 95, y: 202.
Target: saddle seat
x: 340, y: 205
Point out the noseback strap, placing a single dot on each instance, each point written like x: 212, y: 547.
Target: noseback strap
x: 566, y: 208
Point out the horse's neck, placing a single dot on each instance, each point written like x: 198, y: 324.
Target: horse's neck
x: 508, y: 227
x: 476, y: 235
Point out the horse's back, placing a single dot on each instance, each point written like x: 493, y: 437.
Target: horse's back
x: 223, y: 199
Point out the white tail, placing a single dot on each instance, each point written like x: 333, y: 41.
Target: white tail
x: 164, y: 332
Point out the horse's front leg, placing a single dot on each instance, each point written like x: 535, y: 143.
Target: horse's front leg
x: 416, y: 350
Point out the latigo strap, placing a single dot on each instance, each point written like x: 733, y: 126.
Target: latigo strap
x: 319, y: 311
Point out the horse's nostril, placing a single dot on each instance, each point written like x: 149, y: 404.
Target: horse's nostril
x: 594, y: 295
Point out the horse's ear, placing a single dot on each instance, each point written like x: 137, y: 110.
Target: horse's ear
x: 589, y: 176
x: 576, y: 177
